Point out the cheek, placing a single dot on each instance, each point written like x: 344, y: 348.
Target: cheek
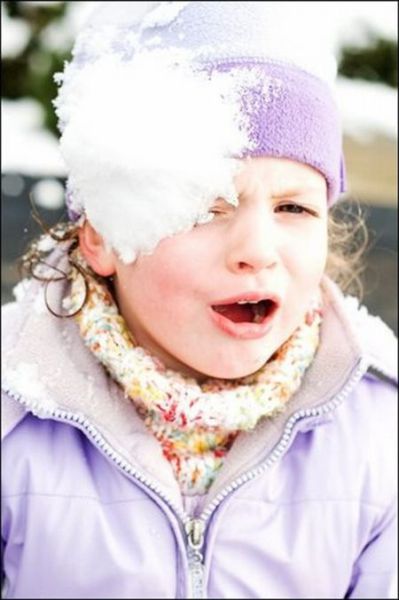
x: 167, y: 275
x: 306, y: 259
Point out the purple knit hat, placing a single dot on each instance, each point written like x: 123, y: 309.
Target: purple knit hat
x: 299, y: 120
x: 288, y: 106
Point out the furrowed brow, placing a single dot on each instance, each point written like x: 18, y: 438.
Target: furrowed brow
x: 290, y: 192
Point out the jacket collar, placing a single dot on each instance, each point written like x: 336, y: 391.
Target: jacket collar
x: 46, y: 364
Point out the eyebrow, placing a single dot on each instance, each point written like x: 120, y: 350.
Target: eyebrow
x: 285, y: 193
x: 294, y: 191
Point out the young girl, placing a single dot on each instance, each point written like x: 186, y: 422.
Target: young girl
x: 191, y: 406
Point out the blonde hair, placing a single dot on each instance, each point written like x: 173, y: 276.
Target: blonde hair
x: 348, y: 240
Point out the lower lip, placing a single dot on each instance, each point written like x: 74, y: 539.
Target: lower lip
x: 242, y: 331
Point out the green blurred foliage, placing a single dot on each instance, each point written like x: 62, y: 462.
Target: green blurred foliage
x: 376, y: 61
x: 31, y: 73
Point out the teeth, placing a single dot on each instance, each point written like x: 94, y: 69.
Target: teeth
x: 248, y: 302
x: 259, y: 313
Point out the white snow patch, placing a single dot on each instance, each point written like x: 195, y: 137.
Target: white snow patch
x: 118, y: 13
x: 259, y: 29
x: 25, y: 380
x: 154, y: 41
x: 68, y: 305
x: 367, y: 108
x: 371, y: 330
x: 140, y: 161
x: 48, y: 193
x: 14, y: 35
x: 353, y: 21
x: 162, y: 15
x: 26, y: 147
x: 20, y: 290
x: 60, y: 34
x: 46, y: 243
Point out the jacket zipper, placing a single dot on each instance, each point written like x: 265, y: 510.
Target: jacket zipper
x: 195, y: 527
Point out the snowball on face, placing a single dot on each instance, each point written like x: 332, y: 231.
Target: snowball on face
x: 149, y: 144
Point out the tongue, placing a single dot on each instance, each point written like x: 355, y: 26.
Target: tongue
x: 238, y: 313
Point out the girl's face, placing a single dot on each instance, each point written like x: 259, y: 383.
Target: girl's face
x: 181, y: 302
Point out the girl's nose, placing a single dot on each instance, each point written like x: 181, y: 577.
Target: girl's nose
x: 253, y: 245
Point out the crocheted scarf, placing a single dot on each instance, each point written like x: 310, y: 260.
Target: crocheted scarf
x: 195, y: 423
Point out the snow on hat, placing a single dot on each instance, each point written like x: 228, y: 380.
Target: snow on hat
x: 162, y: 98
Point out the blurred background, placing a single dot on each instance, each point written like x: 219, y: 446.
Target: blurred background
x: 36, y: 40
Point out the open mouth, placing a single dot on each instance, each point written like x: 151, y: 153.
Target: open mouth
x: 247, y: 312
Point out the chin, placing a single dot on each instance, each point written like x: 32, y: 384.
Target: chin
x: 232, y: 372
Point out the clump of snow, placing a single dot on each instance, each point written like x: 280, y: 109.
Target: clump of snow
x: 370, y: 328
x: 26, y: 381
x: 117, y: 13
x: 20, y: 290
x: 67, y: 304
x: 134, y: 168
x: 46, y: 243
x: 280, y: 31
x: 153, y: 41
x: 164, y: 14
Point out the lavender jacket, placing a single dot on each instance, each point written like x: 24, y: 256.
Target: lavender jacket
x: 304, y: 506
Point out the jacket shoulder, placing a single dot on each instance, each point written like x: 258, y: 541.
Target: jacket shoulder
x: 377, y: 340
x: 12, y: 413
x: 29, y: 298
x: 13, y: 316
x: 368, y: 425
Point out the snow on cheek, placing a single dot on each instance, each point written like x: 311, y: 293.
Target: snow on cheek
x: 149, y: 153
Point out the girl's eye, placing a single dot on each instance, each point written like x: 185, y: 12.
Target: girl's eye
x: 220, y: 210
x: 209, y: 216
x: 291, y: 207
x: 217, y: 211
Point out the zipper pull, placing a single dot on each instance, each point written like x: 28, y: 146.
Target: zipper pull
x: 195, y: 533
x: 195, y: 537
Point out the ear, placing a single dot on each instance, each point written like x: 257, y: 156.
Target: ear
x: 93, y: 248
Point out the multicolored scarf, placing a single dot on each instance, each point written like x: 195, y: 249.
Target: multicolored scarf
x: 196, y: 423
